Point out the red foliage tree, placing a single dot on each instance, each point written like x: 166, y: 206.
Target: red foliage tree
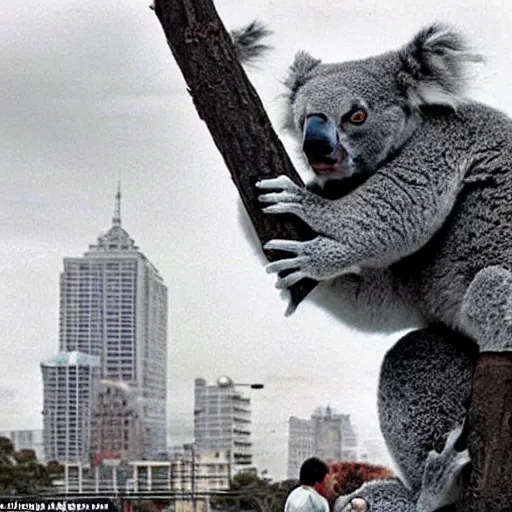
x: 349, y: 476
x: 100, y: 457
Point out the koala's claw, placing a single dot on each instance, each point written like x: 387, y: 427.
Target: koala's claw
x: 287, y: 263
x: 281, y: 182
x: 289, y: 280
x: 452, y: 439
x: 278, y: 197
x: 441, y: 475
x: 284, y: 245
x: 283, y: 207
x: 289, y: 200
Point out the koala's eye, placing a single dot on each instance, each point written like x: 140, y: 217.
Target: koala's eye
x: 357, y: 117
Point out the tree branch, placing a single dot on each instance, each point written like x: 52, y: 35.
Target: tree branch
x: 227, y: 102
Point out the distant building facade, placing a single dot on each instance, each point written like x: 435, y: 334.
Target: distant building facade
x: 113, y: 305
x: 326, y: 435
x: 300, y: 444
x: 26, y: 440
x: 222, y: 422
x: 68, y: 385
x: 116, y: 421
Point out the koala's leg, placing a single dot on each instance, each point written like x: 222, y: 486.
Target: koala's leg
x: 424, y: 391
x: 486, y: 311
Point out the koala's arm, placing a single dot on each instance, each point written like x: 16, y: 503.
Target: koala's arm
x: 392, y: 215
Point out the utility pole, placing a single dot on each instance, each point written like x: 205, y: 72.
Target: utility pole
x: 193, y: 477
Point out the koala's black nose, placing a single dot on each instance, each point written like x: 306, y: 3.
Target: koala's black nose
x: 320, y: 137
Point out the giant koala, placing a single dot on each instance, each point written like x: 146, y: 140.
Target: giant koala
x: 411, y: 206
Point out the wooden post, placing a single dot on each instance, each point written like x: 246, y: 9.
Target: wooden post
x: 489, y: 426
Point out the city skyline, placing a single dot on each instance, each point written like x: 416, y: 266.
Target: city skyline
x: 91, y: 94
x: 112, y: 327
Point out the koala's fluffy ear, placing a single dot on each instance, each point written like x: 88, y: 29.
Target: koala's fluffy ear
x: 248, y: 41
x: 434, y: 66
x: 303, y: 64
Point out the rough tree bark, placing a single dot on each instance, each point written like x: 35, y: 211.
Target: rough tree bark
x: 489, y: 436
x: 227, y: 102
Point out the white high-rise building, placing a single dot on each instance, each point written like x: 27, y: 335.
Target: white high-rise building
x: 113, y: 304
x: 222, y: 422
x: 68, y: 382
x: 300, y: 444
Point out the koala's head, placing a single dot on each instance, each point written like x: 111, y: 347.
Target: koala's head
x: 350, y: 117
x: 377, y: 496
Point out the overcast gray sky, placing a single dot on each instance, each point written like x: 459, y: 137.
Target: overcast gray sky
x: 89, y: 94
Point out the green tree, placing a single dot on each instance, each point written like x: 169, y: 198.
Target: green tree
x: 25, y: 455
x: 20, y: 472
x: 55, y: 469
x: 251, y: 491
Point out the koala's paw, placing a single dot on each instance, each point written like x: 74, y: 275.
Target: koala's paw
x: 321, y: 258
x: 441, y: 477
x: 357, y: 505
x: 291, y: 199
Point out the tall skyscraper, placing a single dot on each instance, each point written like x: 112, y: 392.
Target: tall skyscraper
x: 113, y: 304
x: 222, y: 421
x: 326, y: 435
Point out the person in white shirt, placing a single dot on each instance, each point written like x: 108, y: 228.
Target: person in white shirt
x: 314, y: 479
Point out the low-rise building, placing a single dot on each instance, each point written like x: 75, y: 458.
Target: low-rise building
x: 192, y: 476
x: 200, y: 472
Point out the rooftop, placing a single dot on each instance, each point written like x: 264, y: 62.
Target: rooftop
x: 72, y: 359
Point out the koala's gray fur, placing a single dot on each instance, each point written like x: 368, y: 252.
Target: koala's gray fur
x: 427, y: 229
x: 248, y: 41
x: 424, y: 392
